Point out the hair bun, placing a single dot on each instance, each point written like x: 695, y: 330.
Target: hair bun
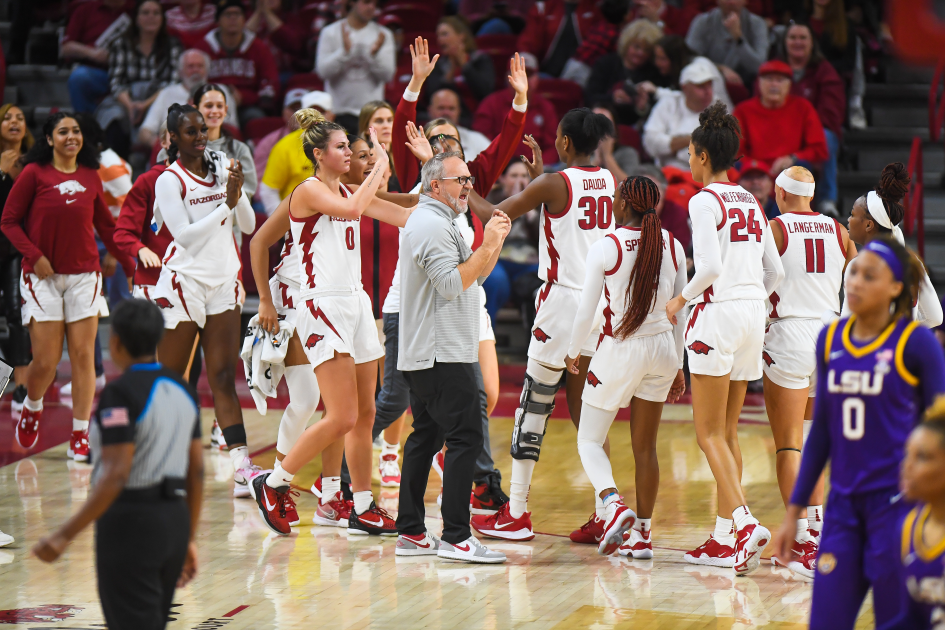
x: 308, y: 118
x: 894, y: 182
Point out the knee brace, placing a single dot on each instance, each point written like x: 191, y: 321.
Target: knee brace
x: 531, y: 418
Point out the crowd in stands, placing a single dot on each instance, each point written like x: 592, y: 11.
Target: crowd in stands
x: 793, y: 72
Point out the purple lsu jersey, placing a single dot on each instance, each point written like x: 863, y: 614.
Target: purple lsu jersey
x: 923, y: 574
x: 871, y: 404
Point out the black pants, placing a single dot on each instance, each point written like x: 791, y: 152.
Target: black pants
x: 139, y: 553
x: 17, y: 348
x: 445, y: 404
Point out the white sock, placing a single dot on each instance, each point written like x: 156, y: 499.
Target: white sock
x: 519, y: 484
x: 33, y: 405
x: 815, y: 518
x: 277, y: 464
x: 362, y: 500
x: 80, y: 425
x: 599, y: 506
x: 802, y: 534
x: 389, y: 449
x: 610, y: 503
x: 742, y: 516
x: 237, y: 454
x: 303, y: 400
x: 724, y: 533
x: 642, y: 525
x: 330, y: 487
x: 279, y: 478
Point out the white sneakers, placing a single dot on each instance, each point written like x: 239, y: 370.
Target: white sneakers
x: 424, y: 545
x: 99, y: 386
x: 5, y: 539
x: 470, y: 550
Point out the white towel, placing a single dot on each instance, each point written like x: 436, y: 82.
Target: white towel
x: 263, y: 357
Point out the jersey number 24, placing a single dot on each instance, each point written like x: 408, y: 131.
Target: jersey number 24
x: 739, y: 223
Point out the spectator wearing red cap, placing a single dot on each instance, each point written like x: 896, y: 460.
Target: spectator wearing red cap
x: 732, y: 37
x: 755, y: 177
x: 190, y: 21
x: 778, y: 127
x: 541, y: 120
x: 242, y: 61
x: 555, y: 29
x: 816, y: 80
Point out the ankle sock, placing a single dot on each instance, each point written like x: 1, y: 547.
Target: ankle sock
x: 237, y: 454
x: 642, y: 525
x: 742, y: 517
x: 599, y: 507
x: 330, y: 487
x: 389, y: 449
x: 815, y: 518
x: 33, y: 405
x: 801, y: 534
x: 279, y: 478
x: 80, y: 425
x: 362, y: 500
x: 724, y: 532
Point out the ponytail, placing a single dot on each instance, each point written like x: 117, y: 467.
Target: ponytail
x: 642, y: 196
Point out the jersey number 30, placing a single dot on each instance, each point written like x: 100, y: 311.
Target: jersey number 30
x: 597, y: 212
x: 738, y: 224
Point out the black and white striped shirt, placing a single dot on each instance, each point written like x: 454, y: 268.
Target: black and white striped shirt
x: 127, y: 65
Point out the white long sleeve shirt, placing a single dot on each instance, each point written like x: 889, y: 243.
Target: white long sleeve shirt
x: 354, y: 77
x: 670, y: 117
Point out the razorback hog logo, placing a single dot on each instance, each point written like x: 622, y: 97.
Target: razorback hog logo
x: 700, y: 347
x: 313, y: 339
x: 48, y: 613
x: 592, y: 379
x: 767, y: 358
x: 541, y: 335
x: 163, y: 302
x: 70, y: 187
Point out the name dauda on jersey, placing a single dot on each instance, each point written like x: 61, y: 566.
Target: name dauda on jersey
x: 595, y: 184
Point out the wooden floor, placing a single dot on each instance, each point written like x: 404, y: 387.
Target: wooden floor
x: 321, y: 578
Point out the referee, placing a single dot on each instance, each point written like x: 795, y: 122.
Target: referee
x: 147, y: 479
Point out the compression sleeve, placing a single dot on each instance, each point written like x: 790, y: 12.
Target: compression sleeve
x: 705, y: 246
x: 167, y: 192
x: 923, y: 359
x: 244, y: 215
x: 929, y: 309
x: 601, y: 257
x: 771, y: 263
x: 679, y: 329
x: 817, y: 447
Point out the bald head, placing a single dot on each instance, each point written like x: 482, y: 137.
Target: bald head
x: 786, y: 193
x: 801, y: 174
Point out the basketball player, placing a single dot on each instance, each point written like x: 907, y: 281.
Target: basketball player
x: 737, y: 267
x: 577, y: 211
x: 638, y: 363
x: 923, y: 532
x: 877, y: 371
x: 879, y: 213
x: 814, y: 252
x: 199, y: 197
x: 336, y: 323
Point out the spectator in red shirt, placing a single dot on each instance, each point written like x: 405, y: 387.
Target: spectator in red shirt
x: 555, y: 29
x: 190, y: 21
x: 240, y: 60
x: 778, y: 127
x: 816, y: 80
x: 92, y: 27
x: 51, y: 216
x: 541, y: 119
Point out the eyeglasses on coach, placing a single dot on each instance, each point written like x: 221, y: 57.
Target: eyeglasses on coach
x: 462, y: 179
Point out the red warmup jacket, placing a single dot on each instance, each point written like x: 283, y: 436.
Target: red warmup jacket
x: 250, y: 69
x: 823, y: 87
x: 133, y: 228
x: 544, y: 23
x: 380, y: 247
x: 768, y: 134
x: 52, y: 214
x: 541, y: 121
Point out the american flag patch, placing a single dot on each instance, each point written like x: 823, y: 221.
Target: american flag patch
x: 114, y: 417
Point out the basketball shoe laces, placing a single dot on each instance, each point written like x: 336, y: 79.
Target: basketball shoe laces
x: 587, y: 526
x: 384, y: 514
x: 289, y: 501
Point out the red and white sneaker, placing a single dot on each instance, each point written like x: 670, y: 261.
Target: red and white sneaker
x: 243, y: 477
x: 750, y: 542
x: 804, y: 558
x: 502, y: 525
x: 272, y: 504
x: 291, y: 511
x: 712, y: 553
x: 426, y: 544
x: 620, y: 519
x: 317, y: 487
x: 439, y: 461
x: 373, y: 520
x: 27, y: 428
x: 590, y: 532
x: 637, y: 544
x: 334, y: 513
x: 389, y: 470
x: 217, y: 440
x: 79, y: 446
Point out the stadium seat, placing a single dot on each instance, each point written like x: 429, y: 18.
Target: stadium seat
x: 628, y: 136
x: 564, y: 95
x: 416, y: 15
x: 394, y: 91
x: 500, y: 48
x: 307, y: 80
x: 259, y: 127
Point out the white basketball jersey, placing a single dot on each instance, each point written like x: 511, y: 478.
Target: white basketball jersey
x: 288, y: 267
x: 742, y: 227
x: 565, y: 238
x: 329, y: 253
x: 813, y: 257
x: 217, y: 260
x: 617, y: 279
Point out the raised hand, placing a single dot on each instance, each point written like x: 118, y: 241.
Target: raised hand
x: 420, y: 61
x: 380, y: 153
x: 418, y: 143
x: 234, y: 184
x: 518, y: 77
x: 536, y: 167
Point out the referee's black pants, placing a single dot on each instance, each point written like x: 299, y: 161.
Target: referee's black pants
x: 139, y: 553
x: 445, y: 404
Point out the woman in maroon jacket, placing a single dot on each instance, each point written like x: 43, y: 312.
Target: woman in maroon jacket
x: 53, y: 211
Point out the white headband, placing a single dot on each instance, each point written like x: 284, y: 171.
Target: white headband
x: 791, y: 185
x: 878, y: 211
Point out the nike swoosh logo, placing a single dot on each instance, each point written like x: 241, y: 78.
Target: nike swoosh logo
x: 504, y: 525
x: 462, y: 547
x: 193, y: 189
x: 269, y: 506
x: 422, y: 545
x: 379, y: 523
x: 836, y: 355
x: 70, y: 201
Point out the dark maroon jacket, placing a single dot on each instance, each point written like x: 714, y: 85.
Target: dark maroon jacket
x: 823, y: 87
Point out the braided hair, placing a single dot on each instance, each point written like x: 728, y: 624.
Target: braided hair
x: 641, y: 196
x: 719, y: 135
x: 174, y: 115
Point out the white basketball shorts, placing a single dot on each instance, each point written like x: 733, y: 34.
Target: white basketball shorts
x: 556, y: 309
x: 726, y: 338
x: 640, y: 366
x: 62, y: 297
x: 183, y: 299
x: 143, y: 292
x: 285, y: 297
x: 338, y: 323
x: 789, y: 353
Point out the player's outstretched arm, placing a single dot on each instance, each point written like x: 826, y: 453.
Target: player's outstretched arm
x: 549, y: 189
